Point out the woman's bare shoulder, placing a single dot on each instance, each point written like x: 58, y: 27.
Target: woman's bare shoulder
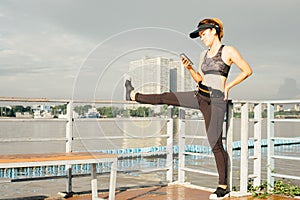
x: 230, y: 51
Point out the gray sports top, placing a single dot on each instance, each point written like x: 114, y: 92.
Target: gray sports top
x: 215, y: 65
x: 212, y: 68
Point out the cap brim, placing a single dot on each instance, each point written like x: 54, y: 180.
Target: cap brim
x: 202, y: 27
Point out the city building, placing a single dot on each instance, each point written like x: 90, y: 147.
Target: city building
x: 279, y: 107
x: 297, y: 107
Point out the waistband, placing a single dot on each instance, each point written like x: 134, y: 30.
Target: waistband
x: 209, y: 92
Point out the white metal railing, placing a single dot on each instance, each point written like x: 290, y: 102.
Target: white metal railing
x: 244, y: 175
x: 257, y: 138
x: 70, y: 137
x: 244, y: 164
x: 182, y: 168
x: 271, y: 171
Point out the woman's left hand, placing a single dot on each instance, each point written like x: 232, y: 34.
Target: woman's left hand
x: 235, y: 57
x: 226, y: 93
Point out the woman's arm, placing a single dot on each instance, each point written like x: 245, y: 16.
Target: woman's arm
x: 233, y: 56
x: 195, y: 75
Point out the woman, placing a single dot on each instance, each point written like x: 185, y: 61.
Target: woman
x: 212, y: 94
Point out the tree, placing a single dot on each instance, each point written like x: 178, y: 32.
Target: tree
x: 81, y: 110
x: 140, y: 112
x: 175, y: 111
x: 59, y: 109
x: 110, y: 112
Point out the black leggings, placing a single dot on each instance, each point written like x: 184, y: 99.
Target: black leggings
x: 213, y: 110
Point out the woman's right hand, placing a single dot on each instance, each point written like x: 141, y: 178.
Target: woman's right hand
x: 186, y: 63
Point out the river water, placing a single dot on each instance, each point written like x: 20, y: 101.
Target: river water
x: 101, y: 134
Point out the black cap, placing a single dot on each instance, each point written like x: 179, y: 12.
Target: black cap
x: 202, y: 27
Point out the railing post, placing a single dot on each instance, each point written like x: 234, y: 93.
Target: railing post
x: 169, y: 148
x: 270, y: 142
x: 257, y: 144
x: 69, y: 138
x: 181, y: 146
x: 244, y: 149
x: 229, y: 141
x: 69, y: 127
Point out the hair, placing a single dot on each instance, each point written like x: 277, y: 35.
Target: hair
x: 215, y: 21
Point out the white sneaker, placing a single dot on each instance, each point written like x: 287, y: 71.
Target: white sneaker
x: 220, y: 193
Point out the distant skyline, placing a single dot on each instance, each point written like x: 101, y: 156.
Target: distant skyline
x: 82, y: 48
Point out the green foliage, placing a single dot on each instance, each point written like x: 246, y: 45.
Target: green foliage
x: 59, y: 109
x: 175, y: 111
x: 21, y: 109
x: 81, y: 110
x: 238, y: 114
x: 287, y: 112
x: 281, y: 187
x: 285, y: 188
x: 110, y: 112
x: 164, y: 110
x: 140, y: 112
x: 259, y: 191
x: 264, y: 114
x: 11, y: 111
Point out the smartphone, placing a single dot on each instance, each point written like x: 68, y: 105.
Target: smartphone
x: 183, y: 55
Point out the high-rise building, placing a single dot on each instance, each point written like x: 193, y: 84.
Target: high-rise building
x: 150, y: 75
x: 157, y: 75
x: 180, y: 78
x: 297, y: 107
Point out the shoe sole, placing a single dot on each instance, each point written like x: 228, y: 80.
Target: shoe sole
x: 218, y: 198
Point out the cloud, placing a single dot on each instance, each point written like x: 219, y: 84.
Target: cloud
x: 45, y: 53
x: 289, y: 89
x: 52, y: 39
x: 38, y: 61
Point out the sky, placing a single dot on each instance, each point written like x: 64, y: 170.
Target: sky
x: 81, y: 49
